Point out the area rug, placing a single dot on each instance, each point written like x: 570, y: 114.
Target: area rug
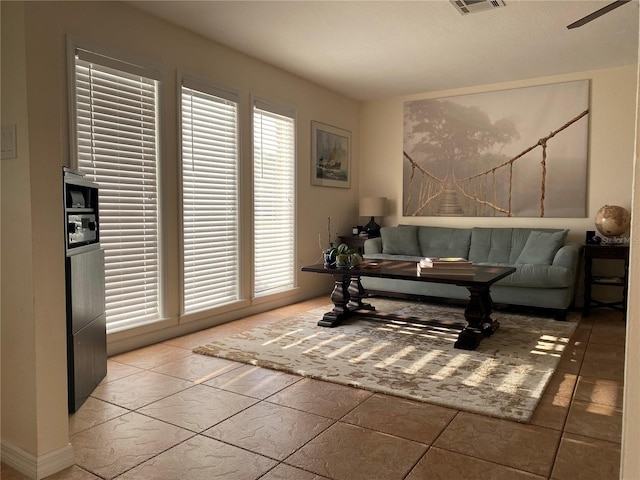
x: 504, y: 377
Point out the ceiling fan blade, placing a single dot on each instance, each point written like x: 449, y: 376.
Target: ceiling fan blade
x: 597, y: 13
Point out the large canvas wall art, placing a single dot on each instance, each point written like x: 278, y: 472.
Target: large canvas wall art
x: 510, y: 153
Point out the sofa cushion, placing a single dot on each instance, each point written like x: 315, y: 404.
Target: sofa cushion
x: 400, y: 240
x: 541, y: 247
x: 496, y: 245
x: 444, y: 242
x: 536, y: 276
x: 500, y: 245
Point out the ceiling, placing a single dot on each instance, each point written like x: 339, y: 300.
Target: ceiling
x: 375, y: 49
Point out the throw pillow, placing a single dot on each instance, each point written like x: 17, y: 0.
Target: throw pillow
x: 541, y: 247
x: 400, y: 240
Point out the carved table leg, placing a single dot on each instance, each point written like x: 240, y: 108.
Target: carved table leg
x: 340, y: 299
x: 479, y: 321
x: 356, y: 294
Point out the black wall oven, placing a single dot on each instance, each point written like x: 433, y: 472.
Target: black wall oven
x: 85, y: 289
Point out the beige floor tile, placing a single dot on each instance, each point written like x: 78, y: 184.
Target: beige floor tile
x: 114, y: 447
x: 377, y: 437
x: 197, y: 368
x: 348, y: 452
x: 562, y: 384
x: 117, y: 370
x: 140, y: 389
x: 603, y: 369
x: 416, y: 421
x: 296, y: 308
x: 596, y: 390
x: 202, y: 458
x: 501, y: 441
x: 595, y: 420
x: 582, y: 332
x: 152, y: 356
x: 253, y: 381
x: 93, y: 412
x: 72, y: 473
x: 270, y: 430
x: 608, y: 332
x: 10, y: 473
x: 322, y: 398
x: 586, y: 458
x: 287, y: 472
x: 444, y: 465
x: 571, y: 358
x: 605, y: 351
x: 241, y: 325
x: 551, y: 412
x: 198, y: 408
x: 193, y: 340
x: 202, y: 337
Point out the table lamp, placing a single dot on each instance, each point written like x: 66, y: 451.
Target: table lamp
x: 373, y: 207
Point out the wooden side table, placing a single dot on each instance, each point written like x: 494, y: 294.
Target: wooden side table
x: 354, y: 241
x: 605, y: 252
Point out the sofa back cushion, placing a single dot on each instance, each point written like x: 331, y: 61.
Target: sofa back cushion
x: 541, y: 247
x: 444, y: 242
x: 401, y: 240
x: 502, y: 245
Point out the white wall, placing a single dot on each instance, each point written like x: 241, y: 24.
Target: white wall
x: 630, y: 468
x: 18, y: 322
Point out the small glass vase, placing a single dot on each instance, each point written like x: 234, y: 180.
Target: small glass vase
x: 328, y: 261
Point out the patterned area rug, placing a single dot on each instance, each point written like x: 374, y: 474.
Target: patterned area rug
x: 504, y: 377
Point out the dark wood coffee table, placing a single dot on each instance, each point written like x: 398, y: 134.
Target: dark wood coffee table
x: 348, y: 294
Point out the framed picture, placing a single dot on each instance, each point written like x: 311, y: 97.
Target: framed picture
x: 330, y: 156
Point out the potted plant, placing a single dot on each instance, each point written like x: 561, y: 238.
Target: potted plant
x: 342, y: 256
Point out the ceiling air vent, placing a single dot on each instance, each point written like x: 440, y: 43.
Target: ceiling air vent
x: 474, y: 6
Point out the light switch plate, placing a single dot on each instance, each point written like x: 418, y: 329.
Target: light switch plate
x: 8, y: 142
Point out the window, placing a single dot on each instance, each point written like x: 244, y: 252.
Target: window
x: 273, y: 198
x: 116, y: 134
x: 209, y: 196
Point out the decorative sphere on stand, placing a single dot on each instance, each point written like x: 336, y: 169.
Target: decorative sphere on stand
x: 612, y: 220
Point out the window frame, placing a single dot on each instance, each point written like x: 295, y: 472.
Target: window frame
x: 290, y: 112
x: 204, y: 86
x: 132, y: 66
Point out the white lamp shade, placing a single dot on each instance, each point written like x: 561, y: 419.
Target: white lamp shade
x: 373, y: 206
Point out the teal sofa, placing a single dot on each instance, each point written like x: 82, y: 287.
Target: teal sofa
x: 546, y: 265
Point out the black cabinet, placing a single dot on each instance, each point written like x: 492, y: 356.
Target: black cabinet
x: 591, y: 277
x: 354, y: 241
x: 85, y: 289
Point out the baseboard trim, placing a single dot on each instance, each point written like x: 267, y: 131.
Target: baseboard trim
x: 36, y: 467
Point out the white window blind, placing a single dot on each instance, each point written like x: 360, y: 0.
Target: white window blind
x: 116, y: 134
x: 274, y: 198
x: 209, y: 198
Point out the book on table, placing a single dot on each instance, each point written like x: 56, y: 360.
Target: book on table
x: 445, y: 262
x: 450, y: 266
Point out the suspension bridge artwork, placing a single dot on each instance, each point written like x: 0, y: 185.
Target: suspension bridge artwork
x: 510, y: 153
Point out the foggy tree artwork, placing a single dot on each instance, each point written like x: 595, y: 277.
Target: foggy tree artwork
x: 509, y: 153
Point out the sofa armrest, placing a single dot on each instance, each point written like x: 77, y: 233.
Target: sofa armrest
x: 567, y: 256
x: 373, y: 245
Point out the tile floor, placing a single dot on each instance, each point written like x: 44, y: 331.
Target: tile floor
x: 163, y: 412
